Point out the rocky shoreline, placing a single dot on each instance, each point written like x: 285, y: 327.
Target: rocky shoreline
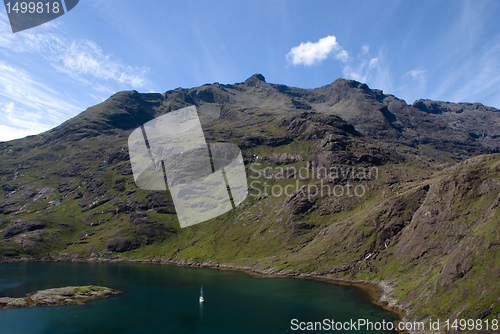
x: 70, y: 295
x: 380, y: 293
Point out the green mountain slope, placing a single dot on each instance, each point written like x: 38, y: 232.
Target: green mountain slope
x: 344, y: 182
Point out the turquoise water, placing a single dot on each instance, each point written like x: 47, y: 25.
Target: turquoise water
x: 164, y: 299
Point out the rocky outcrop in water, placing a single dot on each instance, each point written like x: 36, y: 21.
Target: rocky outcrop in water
x: 70, y: 295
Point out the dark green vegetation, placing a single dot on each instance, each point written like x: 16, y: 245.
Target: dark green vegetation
x: 428, y: 220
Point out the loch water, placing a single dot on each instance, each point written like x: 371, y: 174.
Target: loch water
x: 164, y: 299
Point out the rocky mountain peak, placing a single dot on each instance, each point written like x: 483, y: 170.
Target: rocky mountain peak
x: 254, y: 80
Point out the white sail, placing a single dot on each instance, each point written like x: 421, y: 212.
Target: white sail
x: 201, y: 299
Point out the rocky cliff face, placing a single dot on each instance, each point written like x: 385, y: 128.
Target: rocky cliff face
x: 378, y: 190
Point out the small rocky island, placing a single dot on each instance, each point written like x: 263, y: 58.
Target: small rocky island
x: 70, y: 295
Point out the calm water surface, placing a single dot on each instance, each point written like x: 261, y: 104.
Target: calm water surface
x: 164, y: 299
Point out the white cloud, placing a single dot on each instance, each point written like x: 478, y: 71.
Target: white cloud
x: 361, y: 69
x: 342, y: 55
x: 310, y: 53
x: 373, y: 63
x: 365, y: 49
x: 353, y: 73
x: 417, y: 74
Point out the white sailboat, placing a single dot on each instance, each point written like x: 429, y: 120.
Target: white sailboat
x: 201, y: 295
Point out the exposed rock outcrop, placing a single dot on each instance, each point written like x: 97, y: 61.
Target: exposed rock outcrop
x: 69, y: 295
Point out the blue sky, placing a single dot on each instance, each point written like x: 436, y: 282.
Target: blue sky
x: 441, y: 50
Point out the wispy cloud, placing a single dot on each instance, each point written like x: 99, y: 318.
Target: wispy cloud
x: 419, y: 75
x: 362, y: 66
x: 8, y: 132
x: 373, y: 62
x: 30, y: 104
x: 82, y: 60
x: 470, y: 69
x: 365, y: 49
x: 342, y: 55
x: 309, y: 53
x: 27, y: 106
x: 478, y: 79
